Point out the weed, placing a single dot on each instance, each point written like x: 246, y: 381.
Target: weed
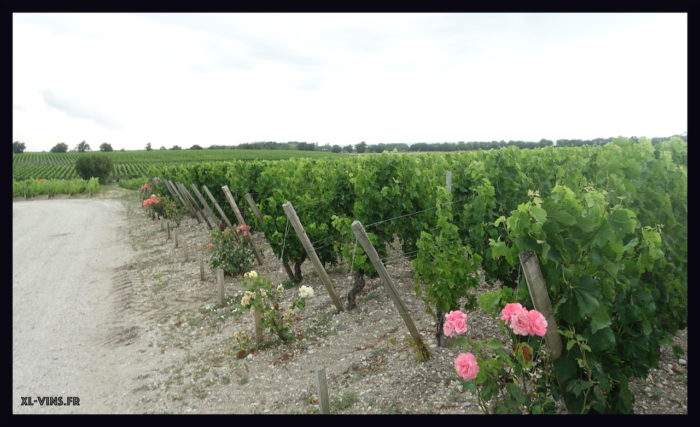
x: 345, y: 401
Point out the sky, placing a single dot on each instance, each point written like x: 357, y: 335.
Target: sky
x: 341, y: 78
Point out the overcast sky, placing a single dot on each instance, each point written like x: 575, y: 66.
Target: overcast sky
x: 229, y: 78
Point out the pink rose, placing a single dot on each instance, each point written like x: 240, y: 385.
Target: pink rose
x: 466, y: 366
x: 520, y: 322
x: 455, y: 323
x: 509, y: 310
x: 210, y: 245
x: 538, y: 324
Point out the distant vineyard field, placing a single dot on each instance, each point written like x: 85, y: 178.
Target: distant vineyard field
x: 134, y: 164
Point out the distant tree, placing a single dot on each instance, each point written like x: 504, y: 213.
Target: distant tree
x: 162, y: 147
x: 347, y: 148
x: 176, y: 147
x: 148, y: 147
x: 94, y: 165
x: 123, y: 149
x: 82, y: 147
x: 336, y: 149
x: 361, y: 147
x: 18, y: 147
x: 195, y: 147
x: 61, y: 147
x: 106, y: 147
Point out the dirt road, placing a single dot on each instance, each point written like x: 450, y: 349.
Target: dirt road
x: 66, y: 285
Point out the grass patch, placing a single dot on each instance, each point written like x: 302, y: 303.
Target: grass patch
x: 344, y: 402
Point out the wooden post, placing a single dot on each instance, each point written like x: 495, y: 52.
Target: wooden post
x: 176, y: 241
x: 253, y: 207
x: 241, y: 221
x: 160, y: 219
x: 172, y: 192
x: 541, y: 301
x: 185, y: 202
x: 204, y: 203
x: 216, y: 205
x: 448, y: 181
x: 322, y: 390
x: 220, y: 284
x: 256, y: 211
x: 186, y: 250
x: 197, y: 211
x: 304, y: 239
x: 362, y: 238
x: 168, y: 226
x: 257, y: 313
x: 176, y: 194
x: 201, y: 267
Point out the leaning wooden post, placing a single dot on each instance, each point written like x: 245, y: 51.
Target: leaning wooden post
x: 216, y: 205
x: 185, y: 202
x: 241, y: 221
x: 304, y: 239
x: 253, y: 207
x: 257, y: 313
x: 322, y: 390
x: 362, y: 238
x: 256, y: 211
x: 193, y: 205
x: 176, y: 195
x: 540, y: 299
x: 204, y: 203
x: 220, y: 284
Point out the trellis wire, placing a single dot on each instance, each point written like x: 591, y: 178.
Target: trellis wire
x: 414, y: 213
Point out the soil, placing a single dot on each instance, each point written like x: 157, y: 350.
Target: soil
x: 107, y: 309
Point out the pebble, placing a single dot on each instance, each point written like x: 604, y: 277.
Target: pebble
x: 682, y: 361
x: 402, y: 357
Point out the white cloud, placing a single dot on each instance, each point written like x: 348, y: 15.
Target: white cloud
x: 208, y: 79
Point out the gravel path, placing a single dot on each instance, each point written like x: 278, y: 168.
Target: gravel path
x: 65, y: 256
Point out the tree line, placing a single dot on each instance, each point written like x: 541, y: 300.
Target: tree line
x: 363, y: 147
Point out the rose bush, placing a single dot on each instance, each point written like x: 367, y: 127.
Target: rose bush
x: 515, y: 378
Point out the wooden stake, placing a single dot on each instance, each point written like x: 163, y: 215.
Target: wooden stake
x: 205, y: 205
x: 201, y: 267
x: 304, y: 239
x: 322, y: 390
x: 541, y: 301
x: 168, y: 226
x: 216, y: 205
x: 193, y: 205
x: 241, y: 221
x: 248, y: 198
x: 176, y: 241
x: 257, y: 313
x: 256, y: 211
x: 220, y: 284
x: 362, y: 238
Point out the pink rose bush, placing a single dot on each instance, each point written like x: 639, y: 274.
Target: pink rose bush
x: 151, y: 201
x: 523, y: 321
x: 455, y: 323
x: 242, y: 228
x: 466, y: 366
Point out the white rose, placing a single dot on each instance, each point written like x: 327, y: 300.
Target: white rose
x: 306, y: 292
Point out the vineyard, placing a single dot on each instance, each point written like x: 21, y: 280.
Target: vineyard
x: 133, y: 164
x: 607, y: 223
